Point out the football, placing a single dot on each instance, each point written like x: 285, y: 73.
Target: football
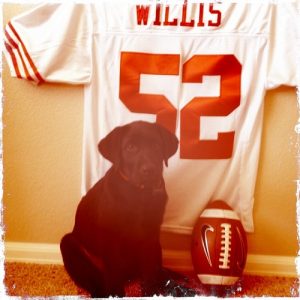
x: 219, y: 245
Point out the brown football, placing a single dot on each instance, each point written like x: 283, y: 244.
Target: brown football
x: 219, y: 245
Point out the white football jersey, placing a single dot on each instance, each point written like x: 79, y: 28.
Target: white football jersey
x: 201, y: 69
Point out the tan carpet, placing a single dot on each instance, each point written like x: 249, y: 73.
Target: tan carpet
x: 29, y: 280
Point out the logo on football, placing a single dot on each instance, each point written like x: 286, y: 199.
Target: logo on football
x: 219, y: 245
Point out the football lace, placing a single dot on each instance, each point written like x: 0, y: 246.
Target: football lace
x: 226, y: 246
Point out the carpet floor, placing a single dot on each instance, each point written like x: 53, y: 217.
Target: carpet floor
x: 33, y: 280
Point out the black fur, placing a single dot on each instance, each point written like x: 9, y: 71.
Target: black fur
x: 117, y: 224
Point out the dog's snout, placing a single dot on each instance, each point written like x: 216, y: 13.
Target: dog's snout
x: 147, y: 170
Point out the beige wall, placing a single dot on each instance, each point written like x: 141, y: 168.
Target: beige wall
x: 42, y: 165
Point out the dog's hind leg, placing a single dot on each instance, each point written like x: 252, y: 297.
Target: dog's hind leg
x: 87, y: 274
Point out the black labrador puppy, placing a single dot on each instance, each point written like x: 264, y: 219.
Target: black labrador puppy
x: 117, y: 224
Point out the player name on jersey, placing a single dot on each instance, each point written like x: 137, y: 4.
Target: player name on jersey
x: 206, y: 15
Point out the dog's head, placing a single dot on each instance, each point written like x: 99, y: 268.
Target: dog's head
x: 138, y: 151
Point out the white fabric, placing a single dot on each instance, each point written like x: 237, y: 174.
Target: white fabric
x: 219, y: 213
x: 254, y: 42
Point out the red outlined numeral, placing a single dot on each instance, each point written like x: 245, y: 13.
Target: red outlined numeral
x: 229, y: 70
x: 191, y: 147
x: 135, y: 64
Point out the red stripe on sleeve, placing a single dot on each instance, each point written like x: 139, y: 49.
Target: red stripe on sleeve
x: 16, y: 46
x: 11, y: 41
x: 13, y: 59
x: 24, y: 66
x: 34, y: 68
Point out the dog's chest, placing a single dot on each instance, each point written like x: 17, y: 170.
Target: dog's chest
x: 137, y: 214
x: 136, y: 209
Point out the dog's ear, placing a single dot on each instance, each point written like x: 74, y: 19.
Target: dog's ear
x: 169, y: 142
x: 110, y: 146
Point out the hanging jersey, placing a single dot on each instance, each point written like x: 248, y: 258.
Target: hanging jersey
x: 200, y: 69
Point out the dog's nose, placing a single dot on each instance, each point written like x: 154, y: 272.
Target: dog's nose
x: 146, y: 170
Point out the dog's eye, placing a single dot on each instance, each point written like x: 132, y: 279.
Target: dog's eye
x: 131, y: 148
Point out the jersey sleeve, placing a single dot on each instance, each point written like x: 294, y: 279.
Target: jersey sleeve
x: 51, y: 43
x: 284, y: 45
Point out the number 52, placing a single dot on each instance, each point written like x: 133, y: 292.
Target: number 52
x: 226, y: 66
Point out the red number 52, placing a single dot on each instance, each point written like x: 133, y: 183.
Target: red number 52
x: 191, y: 147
